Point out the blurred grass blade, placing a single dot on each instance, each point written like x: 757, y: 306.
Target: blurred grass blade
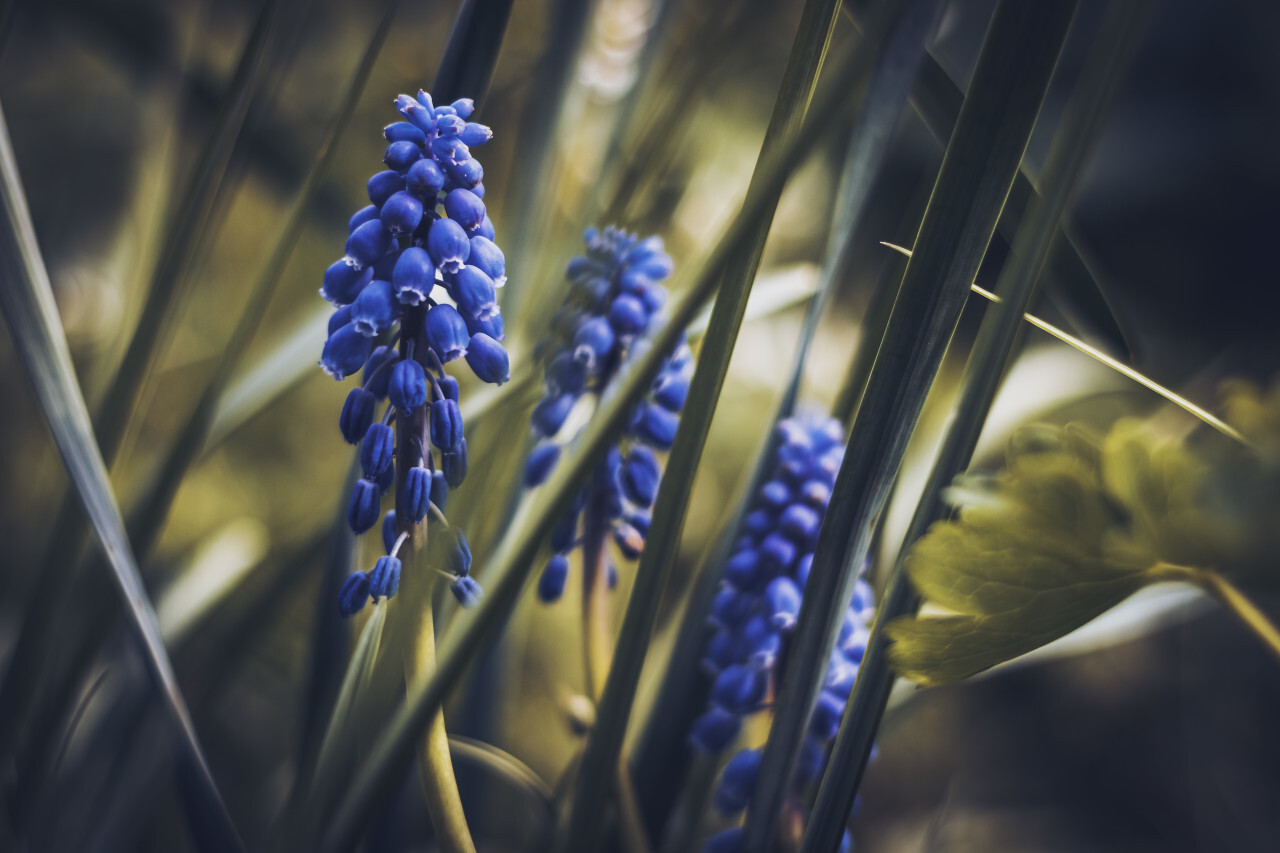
x: 1079, y: 129
x: 595, y: 782
x: 147, y: 521
x: 774, y: 292
x: 508, y: 567
x: 32, y: 317
x: 180, y: 244
x: 1009, y: 83
x: 356, y: 678
x: 1072, y: 285
x: 472, y: 52
x: 221, y: 563
x: 897, y: 41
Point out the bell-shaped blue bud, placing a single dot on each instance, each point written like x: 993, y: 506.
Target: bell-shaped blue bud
x: 491, y: 326
x: 449, y: 150
x: 439, y: 490
x: 737, y: 782
x: 459, y: 556
x: 564, y: 534
x: 415, y: 500
x: 468, y: 174
x: 541, y: 461
x: 593, y: 341
x: 401, y: 155
x: 478, y: 189
x: 551, y: 582
x: 485, y: 228
x: 455, y: 465
x: 655, y: 425
x: 628, y: 315
x: 464, y: 107
x: 386, y: 480
x: 475, y: 134
x: 383, y: 185
x: 449, y: 245
x: 363, y: 510
x: 414, y: 276
x: 384, y: 580
x: 449, y: 387
x: 343, y: 281
x: 368, y: 243
x: 374, y: 310
x: 404, y: 131
x: 465, y: 208
x: 738, y: 688
x: 761, y: 642
x: 408, y: 387
x: 339, y: 318
x: 354, y: 593
x: 653, y: 297
x: 488, y: 258
x: 467, y: 591
x: 473, y: 291
x: 420, y: 116
x: 757, y: 523
x: 743, y: 569
x: 629, y: 540
x: 731, y: 607
x: 447, y: 333
x: 488, y: 360
x: 550, y: 414
x: 782, y: 603
x: 357, y: 415
x: 774, y: 495
x: 816, y: 494
x: 800, y: 523
x: 777, y: 553
x: 368, y: 213
x: 345, y: 352
x: 425, y: 180
x: 446, y: 424
x: 425, y: 100
x: 377, y: 371
x: 827, y: 712
x: 450, y: 125
x: 378, y: 449
x: 640, y: 475
x: 566, y: 375
x: 401, y: 213
x: 670, y: 391
x: 389, y: 532
x: 714, y: 730
x: 723, y: 649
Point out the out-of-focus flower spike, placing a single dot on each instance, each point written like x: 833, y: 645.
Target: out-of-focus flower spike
x: 552, y: 580
x: 467, y: 591
x: 540, y: 463
x: 459, y: 559
x: 455, y: 465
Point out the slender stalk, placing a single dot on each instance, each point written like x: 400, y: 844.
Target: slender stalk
x: 597, y: 641
x: 1249, y: 614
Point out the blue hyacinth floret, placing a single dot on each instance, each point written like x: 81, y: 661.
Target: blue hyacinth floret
x: 616, y: 298
x: 755, y: 610
x: 420, y: 271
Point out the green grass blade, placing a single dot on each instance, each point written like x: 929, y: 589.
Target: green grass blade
x: 31, y: 651
x: 147, y: 521
x: 32, y: 317
x: 1072, y: 286
x: 1079, y: 128
x: 1012, y: 75
x: 507, y: 569
x: 357, y: 676
x: 595, y: 782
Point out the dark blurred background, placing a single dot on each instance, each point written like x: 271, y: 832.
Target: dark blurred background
x: 1160, y: 741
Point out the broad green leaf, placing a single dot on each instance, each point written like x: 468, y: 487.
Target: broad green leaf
x: 32, y: 316
x: 1014, y: 68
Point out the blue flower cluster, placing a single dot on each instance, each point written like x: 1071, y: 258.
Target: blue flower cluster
x: 755, y: 610
x: 616, y: 295
x: 424, y: 237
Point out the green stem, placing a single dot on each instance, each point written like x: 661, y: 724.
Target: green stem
x: 1230, y: 595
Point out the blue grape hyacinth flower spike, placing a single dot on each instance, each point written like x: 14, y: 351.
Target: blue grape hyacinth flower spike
x: 414, y: 291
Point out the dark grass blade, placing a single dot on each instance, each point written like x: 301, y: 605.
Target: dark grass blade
x: 1079, y: 128
x: 507, y: 568
x: 29, y: 310
x: 897, y: 40
x: 180, y: 244
x: 1013, y: 73
x: 595, y: 783
x: 1072, y: 285
x: 147, y: 521
x: 472, y: 52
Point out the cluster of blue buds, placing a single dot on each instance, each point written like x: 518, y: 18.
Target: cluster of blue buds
x: 420, y: 270
x: 616, y: 297
x: 755, y: 610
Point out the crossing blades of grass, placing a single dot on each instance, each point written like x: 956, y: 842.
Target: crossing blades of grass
x: 1012, y: 75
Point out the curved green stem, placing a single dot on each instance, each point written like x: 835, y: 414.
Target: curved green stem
x: 1230, y: 595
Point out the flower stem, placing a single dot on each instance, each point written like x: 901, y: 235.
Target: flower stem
x: 1228, y: 594
x: 596, y: 642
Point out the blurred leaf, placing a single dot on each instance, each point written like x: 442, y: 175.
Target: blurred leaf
x: 1014, y: 68
x: 773, y: 292
x: 29, y: 309
x: 220, y: 563
x: 337, y: 734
